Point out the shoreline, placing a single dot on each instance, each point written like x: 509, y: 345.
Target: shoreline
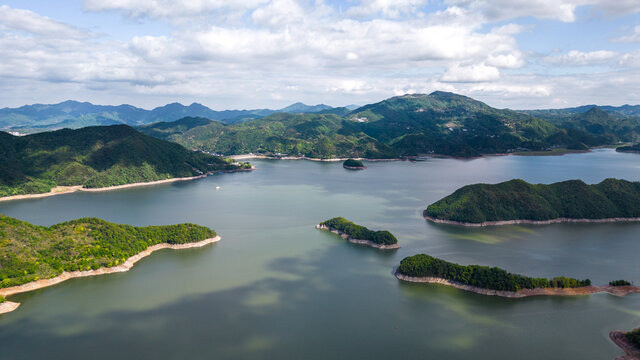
x: 631, y: 351
x: 584, y: 290
x: 125, y: 266
x: 61, y: 190
x: 354, y: 167
x: 358, y: 241
x: 530, y: 222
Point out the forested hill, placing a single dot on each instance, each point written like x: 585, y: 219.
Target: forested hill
x: 439, y: 123
x: 30, y: 252
x: 97, y: 156
x: 519, y: 200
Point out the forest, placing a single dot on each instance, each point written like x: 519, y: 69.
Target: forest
x: 485, y: 277
x: 30, y: 252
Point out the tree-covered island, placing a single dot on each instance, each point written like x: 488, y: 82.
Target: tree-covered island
x: 517, y: 201
x: 30, y: 252
x: 358, y: 234
x: 352, y: 164
x: 487, y: 280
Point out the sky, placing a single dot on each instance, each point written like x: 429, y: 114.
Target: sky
x: 246, y: 54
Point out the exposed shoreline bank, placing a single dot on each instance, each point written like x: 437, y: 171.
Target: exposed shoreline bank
x: 631, y: 351
x: 125, y: 266
x: 531, y: 222
x: 584, y: 290
x: 60, y: 190
x: 358, y: 241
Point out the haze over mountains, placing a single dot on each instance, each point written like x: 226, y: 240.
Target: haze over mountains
x: 74, y: 114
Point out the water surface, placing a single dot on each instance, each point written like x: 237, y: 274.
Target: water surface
x: 275, y: 287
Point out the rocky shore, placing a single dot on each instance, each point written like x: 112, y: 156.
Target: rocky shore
x: 59, y: 190
x: 531, y: 222
x: 358, y: 241
x: 631, y: 351
x: 584, y: 290
x: 125, y: 266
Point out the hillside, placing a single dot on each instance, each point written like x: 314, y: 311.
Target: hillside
x: 439, y: 123
x: 30, y: 252
x: 519, y: 200
x: 311, y: 135
x: 98, y: 156
x: 74, y: 114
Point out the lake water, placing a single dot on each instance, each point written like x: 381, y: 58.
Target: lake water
x: 277, y: 288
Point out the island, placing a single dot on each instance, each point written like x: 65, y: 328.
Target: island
x: 494, y: 281
x: 629, y: 342
x: 357, y: 234
x: 97, y: 157
x: 352, y: 164
x: 33, y: 257
x: 518, y: 202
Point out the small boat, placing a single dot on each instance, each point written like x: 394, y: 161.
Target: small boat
x: 217, y: 187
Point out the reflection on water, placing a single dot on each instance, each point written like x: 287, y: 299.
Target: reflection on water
x: 275, y: 287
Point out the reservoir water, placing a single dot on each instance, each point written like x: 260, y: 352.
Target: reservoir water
x: 277, y: 288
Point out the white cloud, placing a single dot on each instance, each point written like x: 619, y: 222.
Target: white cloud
x: 386, y: 8
x: 471, y: 73
x: 633, y: 37
x: 32, y: 23
x: 169, y: 8
x: 575, y: 57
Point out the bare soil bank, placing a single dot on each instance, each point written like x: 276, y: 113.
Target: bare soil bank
x: 631, y: 351
x: 532, y: 222
x: 584, y: 290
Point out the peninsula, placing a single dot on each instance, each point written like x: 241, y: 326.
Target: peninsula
x: 97, y: 157
x: 629, y: 342
x: 494, y: 281
x: 357, y: 234
x: 518, y: 202
x: 33, y: 257
x: 352, y: 164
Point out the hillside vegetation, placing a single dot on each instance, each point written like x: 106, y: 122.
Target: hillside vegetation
x: 519, y: 200
x: 94, y: 157
x: 30, y: 252
x: 355, y: 231
x: 409, y: 125
x: 484, y: 277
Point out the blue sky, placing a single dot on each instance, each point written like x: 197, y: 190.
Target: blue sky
x: 269, y: 53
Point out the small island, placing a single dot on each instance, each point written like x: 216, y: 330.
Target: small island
x: 357, y: 234
x: 629, y: 342
x: 33, y: 257
x: 352, y: 164
x: 494, y: 281
x: 518, y: 202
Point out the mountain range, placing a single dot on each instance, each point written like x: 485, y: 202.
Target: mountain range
x: 439, y: 123
x: 74, y: 114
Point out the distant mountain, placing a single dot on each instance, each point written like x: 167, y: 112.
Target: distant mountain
x: 611, y: 127
x: 73, y: 114
x: 615, y: 111
x: 438, y: 123
x: 96, y: 156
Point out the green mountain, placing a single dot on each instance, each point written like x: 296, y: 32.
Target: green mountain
x: 97, y: 156
x: 615, y: 111
x: 439, y: 123
x: 312, y: 135
x: 30, y: 252
x: 602, y: 126
x: 519, y: 200
x: 74, y: 114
